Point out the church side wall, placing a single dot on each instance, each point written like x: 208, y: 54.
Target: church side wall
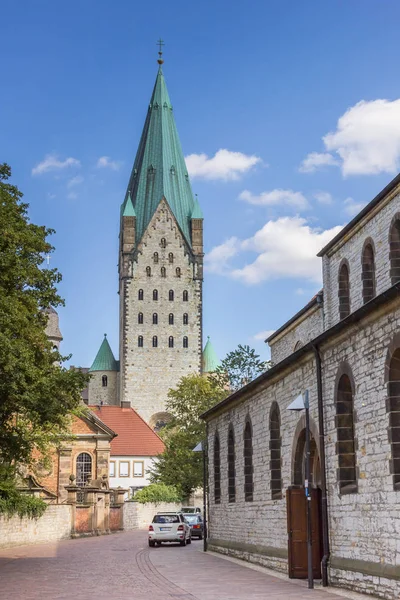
x: 148, y: 372
x: 306, y: 330
x: 377, y: 228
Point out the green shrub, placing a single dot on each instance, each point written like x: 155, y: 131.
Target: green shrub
x: 158, y: 492
x: 12, y: 502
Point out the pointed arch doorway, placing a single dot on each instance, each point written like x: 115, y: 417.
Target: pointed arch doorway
x: 296, y: 505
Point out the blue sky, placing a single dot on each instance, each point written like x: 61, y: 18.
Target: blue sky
x: 303, y: 97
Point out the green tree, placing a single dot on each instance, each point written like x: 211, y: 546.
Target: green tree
x: 238, y: 368
x: 179, y: 466
x: 37, y: 396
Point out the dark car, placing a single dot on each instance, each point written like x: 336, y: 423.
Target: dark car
x: 196, y: 525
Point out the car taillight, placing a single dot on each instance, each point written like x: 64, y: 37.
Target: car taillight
x: 196, y: 526
x: 151, y: 528
x: 180, y: 528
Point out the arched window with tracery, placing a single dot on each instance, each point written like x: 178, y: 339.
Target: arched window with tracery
x: 248, y: 461
x: 148, y: 271
x: 393, y: 408
x: 345, y: 446
x: 217, y: 470
x: 83, y: 468
x: 140, y: 341
x: 155, y: 319
x: 185, y: 342
x: 170, y: 258
x: 140, y: 295
x: 394, y: 254
x: 163, y: 243
x: 155, y: 257
x: 344, y: 291
x: 171, y: 295
x: 155, y: 295
x: 178, y: 271
x: 163, y: 272
x: 170, y: 341
x: 185, y: 319
x: 104, y: 381
x: 231, y: 466
x: 155, y: 341
x: 368, y: 273
x: 185, y: 296
x: 140, y: 318
x: 275, y: 443
x: 171, y: 319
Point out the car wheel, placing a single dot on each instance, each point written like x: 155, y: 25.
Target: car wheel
x: 200, y: 537
x: 189, y: 541
x: 151, y: 544
x: 158, y: 543
x: 183, y: 542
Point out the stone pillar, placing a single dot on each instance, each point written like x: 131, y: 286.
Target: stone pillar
x: 65, y: 469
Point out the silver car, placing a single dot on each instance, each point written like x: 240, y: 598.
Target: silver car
x: 169, y: 527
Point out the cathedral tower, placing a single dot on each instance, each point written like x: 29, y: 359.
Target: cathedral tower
x: 160, y: 267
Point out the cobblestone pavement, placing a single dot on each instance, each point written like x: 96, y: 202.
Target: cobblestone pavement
x: 121, y: 567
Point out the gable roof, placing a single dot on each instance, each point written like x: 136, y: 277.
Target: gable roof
x: 104, y: 360
x: 134, y: 436
x: 159, y: 170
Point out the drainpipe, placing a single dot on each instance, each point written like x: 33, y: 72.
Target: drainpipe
x: 324, y: 499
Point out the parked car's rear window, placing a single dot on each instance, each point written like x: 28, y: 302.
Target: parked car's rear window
x: 192, y: 518
x: 166, y: 519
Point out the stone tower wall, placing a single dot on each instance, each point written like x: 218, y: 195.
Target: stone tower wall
x: 103, y: 395
x: 147, y: 373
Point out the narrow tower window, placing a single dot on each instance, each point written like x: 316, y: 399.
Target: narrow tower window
x: 344, y: 292
x: 170, y: 342
x: 345, y: 447
x: 248, y: 462
x: 155, y: 319
x: 231, y: 466
x: 185, y: 342
x: 140, y: 341
x: 104, y: 381
x: 171, y: 295
x: 163, y: 243
x: 140, y: 295
x: 185, y: 296
x: 148, y: 271
x: 163, y: 272
x: 186, y: 319
x: 217, y: 471
x: 275, y: 443
x: 394, y: 254
x: 155, y: 295
x: 155, y: 341
x: 368, y: 273
x: 178, y: 271
x: 171, y: 319
x: 170, y: 258
x: 155, y: 257
x: 140, y: 318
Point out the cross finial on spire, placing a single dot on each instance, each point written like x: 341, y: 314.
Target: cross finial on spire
x: 160, y: 45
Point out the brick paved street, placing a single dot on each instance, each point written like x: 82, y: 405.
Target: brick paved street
x: 121, y: 567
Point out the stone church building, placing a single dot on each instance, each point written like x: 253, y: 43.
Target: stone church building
x: 160, y: 275
x: 344, y: 348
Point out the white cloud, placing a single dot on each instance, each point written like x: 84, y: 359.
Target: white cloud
x: 105, y: 162
x: 323, y: 197
x: 72, y: 196
x: 52, y: 163
x: 352, y: 207
x: 277, y: 197
x: 263, y: 335
x: 366, y: 140
x: 225, y: 165
x: 285, y: 248
x: 75, y: 181
x: 300, y: 291
x: 317, y: 160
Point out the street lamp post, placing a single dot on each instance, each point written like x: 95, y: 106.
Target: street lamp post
x: 299, y: 404
x: 202, y: 447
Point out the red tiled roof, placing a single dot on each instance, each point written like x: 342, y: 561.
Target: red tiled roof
x: 134, y: 436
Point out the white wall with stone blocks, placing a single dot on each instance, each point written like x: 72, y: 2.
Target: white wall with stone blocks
x: 139, y: 516
x: 52, y: 526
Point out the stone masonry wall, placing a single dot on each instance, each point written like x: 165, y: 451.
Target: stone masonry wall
x: 103, y: 395
x: 139, y: 516
x: 53, y: 526
x: 148, y: 373
x: 306, y: 330
x: 377, y: 228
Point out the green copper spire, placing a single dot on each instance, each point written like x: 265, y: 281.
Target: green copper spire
x: 104, y: 360
x: 129, y: 210
x: 159, y: 169
x: 210, y: 358
x: 197, y: 213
